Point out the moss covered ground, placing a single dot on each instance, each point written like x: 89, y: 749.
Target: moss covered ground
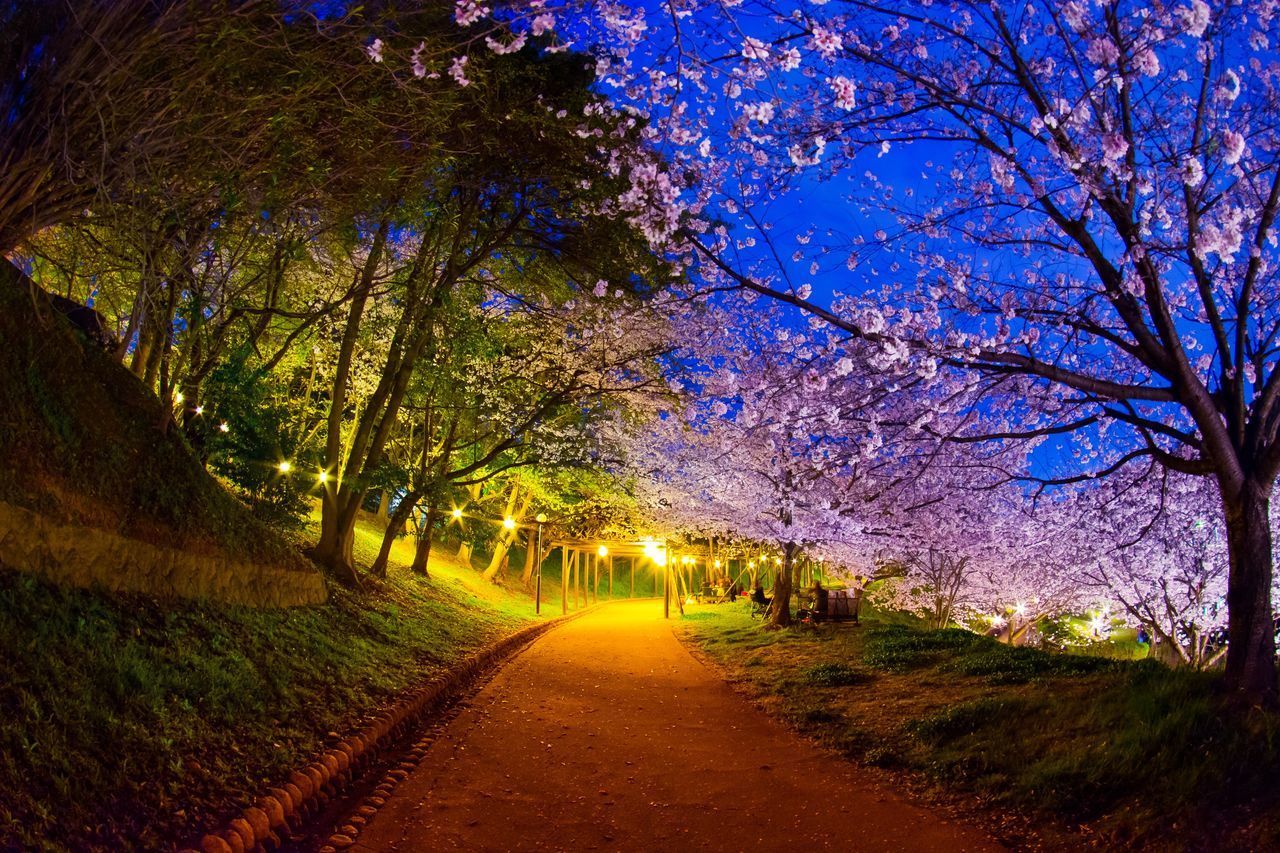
x: 130, y: 723
x: 1048, y: 750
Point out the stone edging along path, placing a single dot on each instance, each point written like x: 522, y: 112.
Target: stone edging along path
x: 337, y: 769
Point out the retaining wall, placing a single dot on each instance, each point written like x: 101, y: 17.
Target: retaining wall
x: 86, y: 557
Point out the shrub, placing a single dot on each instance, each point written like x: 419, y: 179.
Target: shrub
x: 963, y: 719
x: 835, y: 675
x: 896, y: 648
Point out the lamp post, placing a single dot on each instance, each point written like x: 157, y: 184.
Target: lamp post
x: 537, y: 600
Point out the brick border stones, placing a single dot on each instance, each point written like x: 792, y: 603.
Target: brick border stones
x: 283, y: 809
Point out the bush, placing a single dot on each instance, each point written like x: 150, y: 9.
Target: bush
x: 896, y: 648
x: 835, y: 675
x: 1011, y: 665
x: 963, y: 719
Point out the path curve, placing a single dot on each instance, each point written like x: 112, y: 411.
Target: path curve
x: 606, y: 733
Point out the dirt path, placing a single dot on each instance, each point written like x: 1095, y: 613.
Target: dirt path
x: 607, y: 734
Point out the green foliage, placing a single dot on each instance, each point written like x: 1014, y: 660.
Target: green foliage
x: 1153, y: 758
x: 261, y: 433
x: 83, y: 442
x: 1003, y: 664
x: 126, y: 722
x: 896, y: 648
x: 966, y: 718
x: 835, y: 675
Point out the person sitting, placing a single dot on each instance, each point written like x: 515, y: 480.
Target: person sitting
x: 816, y: 608
x: 758, y: 596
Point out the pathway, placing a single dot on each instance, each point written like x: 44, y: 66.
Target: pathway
x: 607, y: 734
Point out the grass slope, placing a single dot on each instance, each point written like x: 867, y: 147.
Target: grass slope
x: 130, y: 724
x: 80, y: 442
x: 1125, y: 754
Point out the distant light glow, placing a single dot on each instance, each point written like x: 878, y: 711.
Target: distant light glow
x: 602, y: 551
x: 224, y: 427
x: 285, y: 467
x: 456, y: 513
x: 509, y: 523
x: 323, y: 477
x: 199, y: 410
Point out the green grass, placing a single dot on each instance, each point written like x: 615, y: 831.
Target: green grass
x: 81, y: 443
x: 126, y: 723
x: 1143, y: 756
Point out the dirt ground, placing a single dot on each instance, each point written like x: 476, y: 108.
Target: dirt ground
x: 607, y: 734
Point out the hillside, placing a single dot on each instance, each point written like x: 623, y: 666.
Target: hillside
x: 81, y: 446
x: 129, y: 723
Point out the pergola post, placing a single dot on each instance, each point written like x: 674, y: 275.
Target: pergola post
x: 564, y: 579
x: 666, y: 593
x: 577, y: 579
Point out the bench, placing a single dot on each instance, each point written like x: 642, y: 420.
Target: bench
x: 842, y: 606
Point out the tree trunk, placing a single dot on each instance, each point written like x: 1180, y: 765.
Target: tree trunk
x: 422, y: 555
x: 530, y: 547
x: 395, y: 525
x: 780, y: 609
x: 334, y: 550
x: 1251, y: 663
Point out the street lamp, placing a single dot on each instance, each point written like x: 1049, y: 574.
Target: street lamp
x: 509, y: 523
x: 537, y: 599
x: 602, y: 551
x: 456, y: 512
x: 285, y: 467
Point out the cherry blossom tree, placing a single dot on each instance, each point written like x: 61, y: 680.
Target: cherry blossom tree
x: 1094, y: 229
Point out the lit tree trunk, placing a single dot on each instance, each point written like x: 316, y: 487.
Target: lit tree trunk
x: 340, y: 500
x: 780, y: 609
x: 503, y: 546
x: 530, y: 549
x: 422, y: 554
x: 1251, y: 664
x: 394, y: 527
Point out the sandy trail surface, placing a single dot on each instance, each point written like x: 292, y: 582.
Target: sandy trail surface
x: 606, y: 734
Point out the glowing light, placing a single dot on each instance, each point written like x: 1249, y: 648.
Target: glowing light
x: 285, y: 467
x: 323, y: 477
x: 654, y: 551
x: 778, y: 560
x: 456, y: 513
x: 509, y: 523
x: 717, y: 564
x: 199, y: 410
x: 541, y: 519
x: 177, y: 398
x: 602, y: 551
x: 1021, y: 609
x: 223, y: 427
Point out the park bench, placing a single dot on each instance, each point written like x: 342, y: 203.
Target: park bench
x: 841, y: 607
x: 759, y: 608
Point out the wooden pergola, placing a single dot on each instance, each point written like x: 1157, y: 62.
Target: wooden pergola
x: 679, y: 566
